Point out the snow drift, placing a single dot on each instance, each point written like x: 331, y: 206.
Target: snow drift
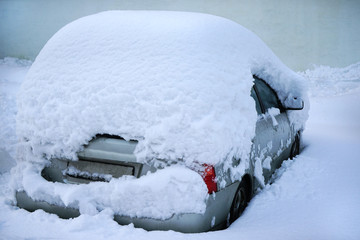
x: 179, y: 83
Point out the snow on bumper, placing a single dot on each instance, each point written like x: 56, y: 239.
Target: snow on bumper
x: 159, y: 195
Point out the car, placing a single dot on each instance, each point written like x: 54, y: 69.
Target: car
x: 216, y: 150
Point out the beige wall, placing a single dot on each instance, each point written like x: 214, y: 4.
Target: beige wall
x: 300, y: 32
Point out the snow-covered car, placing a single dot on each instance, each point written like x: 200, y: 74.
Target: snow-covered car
x: 169, y: 120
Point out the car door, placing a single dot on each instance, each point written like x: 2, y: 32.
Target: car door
x: 273, y: 135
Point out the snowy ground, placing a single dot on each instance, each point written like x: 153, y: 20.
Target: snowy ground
x: 315, y: 196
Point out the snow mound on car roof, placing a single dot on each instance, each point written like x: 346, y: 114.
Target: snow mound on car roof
x: 179, y: 83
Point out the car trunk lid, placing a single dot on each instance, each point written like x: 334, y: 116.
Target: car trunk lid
x: 104, y: 158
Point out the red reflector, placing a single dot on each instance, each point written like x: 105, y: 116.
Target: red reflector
x: 208, y: 174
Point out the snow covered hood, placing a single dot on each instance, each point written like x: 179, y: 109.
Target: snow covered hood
x: 179, y: 83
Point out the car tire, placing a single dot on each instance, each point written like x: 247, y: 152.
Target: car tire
x: 239, y: 203
x: 295, y: 149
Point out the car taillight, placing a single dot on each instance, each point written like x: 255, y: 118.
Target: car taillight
x: 208, y: 174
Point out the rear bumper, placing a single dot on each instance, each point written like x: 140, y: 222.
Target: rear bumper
x: 24, y: 201
x: 215, y: 216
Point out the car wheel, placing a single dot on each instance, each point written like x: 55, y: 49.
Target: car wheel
x: 239, y: 203
x: 295, y: 149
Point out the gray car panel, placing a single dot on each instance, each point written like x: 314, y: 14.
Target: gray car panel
x: 271, y: 140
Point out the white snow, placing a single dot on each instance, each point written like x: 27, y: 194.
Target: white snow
x: 314, y: 196
x: 181, y: 88
x: 267, y: 163
x: 258, y: 171
x: 159, y: 195
x: 12, y: 73
x: 272, y: 113
x: 325, y: 80
x: 177, y: 82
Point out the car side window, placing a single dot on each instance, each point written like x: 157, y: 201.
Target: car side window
x: 267, y: 95
x: 257, y: 103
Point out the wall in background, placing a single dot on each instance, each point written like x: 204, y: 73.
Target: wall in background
x: 301, y: 33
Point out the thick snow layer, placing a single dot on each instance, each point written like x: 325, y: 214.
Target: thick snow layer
x: 159, y: 195
x: 314, y: 196
x: 179, y: 83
